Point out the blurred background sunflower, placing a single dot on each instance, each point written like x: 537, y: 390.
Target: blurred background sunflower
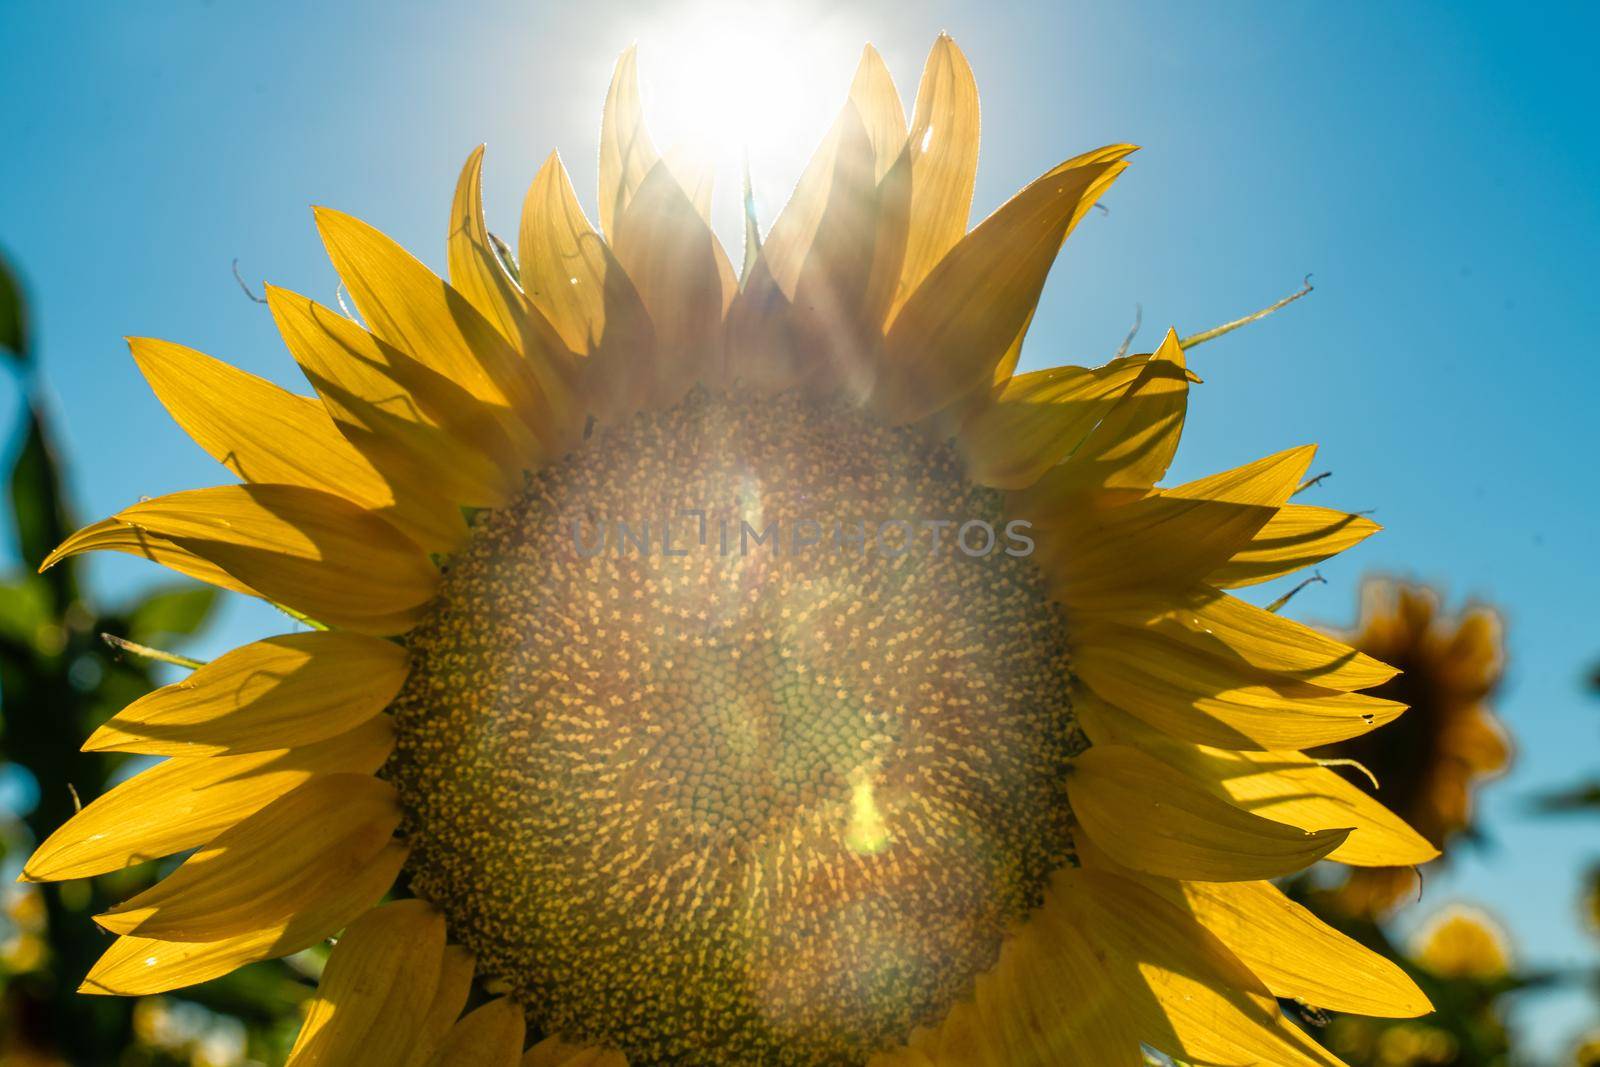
x: 1395, y: 249
x: 1429, y: 764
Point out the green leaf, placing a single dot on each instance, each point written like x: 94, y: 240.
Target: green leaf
x: 13, y: 315
x: 25, y: 616
x: 174, y: 612
x: 1585, y: 797
x: 37, y: 501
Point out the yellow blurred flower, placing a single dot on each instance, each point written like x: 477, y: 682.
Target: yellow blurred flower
x: 1461, y: 941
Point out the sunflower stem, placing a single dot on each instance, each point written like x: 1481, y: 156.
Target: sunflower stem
x: 1316, y: 479
x: 300, y: 616
x: 508, y: 261
x: 122, y: 644
x: 1228, y: 327
x: 1133, y: 331
x: 1357, y: 764
x: 240, y: 279
x: 1277, y: 605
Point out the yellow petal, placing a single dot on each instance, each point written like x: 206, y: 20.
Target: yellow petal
x: 186, y: 801
x: 789, y: 241
x: 830, y: 313
x: 572, y: 276
x: 1285, y: 786
x: 959, y: 1038
x: 1041, y: 1004
x: 1220, y: 625
x: 873, y: 93
x: 626, y: 152
x: 674, y: 261
x: 1158, y: 544
x: 696, y: 172
x: 422, y: 430
x: 140, y: 966
x: 892, y: 230
x: 1132, y: 447
x: 284, y: 691
x: 110, y: 535
x: 262, y: 872
x: 944, y: 162
x: 414, y: 310
x: 1297, y: 536
x: 475, y: 270
x: 308, y: 550
x: 1147, y: 815
x: 1293, y: 789
x: 490, y: 1036
x: 553, y: 1052
x: 1187, y: 994
x: 1269, y: 481
x: 1212, y: 702
x: 1298, y: 955
x: 1040, y: 418
x: 955, y: 328
x: 759, y: 351
x: 259, y: 431
x: 376, y: 989
x: 449, y: 997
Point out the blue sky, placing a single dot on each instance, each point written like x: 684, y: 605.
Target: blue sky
x: 1433, y: 165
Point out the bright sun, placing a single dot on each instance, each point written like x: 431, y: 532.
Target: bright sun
x: 723, y: 82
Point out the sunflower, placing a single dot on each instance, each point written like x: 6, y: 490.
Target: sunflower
x: 716, y: 668
x: 1461, y: 941
x: 1430, y: 763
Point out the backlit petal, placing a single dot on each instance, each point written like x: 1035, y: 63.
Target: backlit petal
x: 955, y: 328
x: 1299, y: 535
x: 676, y: 264
x: 416, y: 311
x: 626, y: 152
x: 1224, y: 626
x: 271, y: 866
x: 1187, y: 994
x: 1298, y: 955
x: 475, y: 270
x: 449, y: 997
x: 1040, y: 418
x: 573, y: 277
x: 139, y: 966
x: 375, y: 992
x: 112, y: 535
x: 422, y: 430
x: 259, y: 431
x: 1132, y: 447
x: 309, y: 550
x: 186, y: 801
x: 490, y: 1036
x: 1151, y: 817
x: 944, y: 162
x: 1212, y: 702
x: 1286, y: 786
x: 294, y: 689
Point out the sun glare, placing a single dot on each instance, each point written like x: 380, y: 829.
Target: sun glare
x: 728, y: 82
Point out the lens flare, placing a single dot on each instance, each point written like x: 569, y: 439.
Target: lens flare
x: 726, y: 83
